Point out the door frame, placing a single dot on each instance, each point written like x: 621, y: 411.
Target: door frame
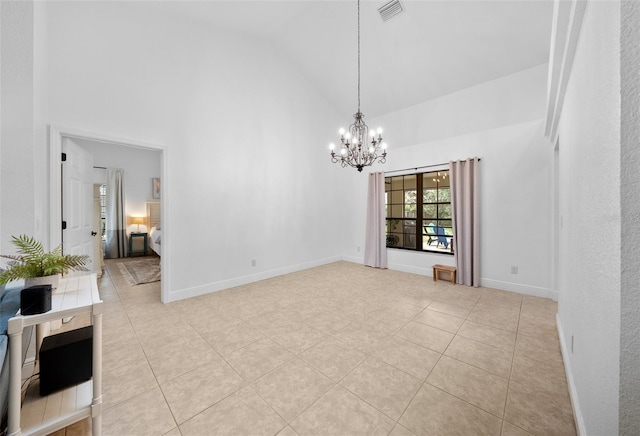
x: 56, y: 136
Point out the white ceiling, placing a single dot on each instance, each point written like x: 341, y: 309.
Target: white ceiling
x: 431, y: 49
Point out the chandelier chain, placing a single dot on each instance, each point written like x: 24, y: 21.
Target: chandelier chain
x: 358, y: 55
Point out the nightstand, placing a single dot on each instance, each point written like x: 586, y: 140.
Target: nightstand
x: 133, y: 235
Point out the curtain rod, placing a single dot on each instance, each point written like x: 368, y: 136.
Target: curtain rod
x: 417, y: 168
x: 100, y: 168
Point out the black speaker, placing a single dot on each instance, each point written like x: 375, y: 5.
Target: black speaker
x: 66, y: 359
x: 35, y: 299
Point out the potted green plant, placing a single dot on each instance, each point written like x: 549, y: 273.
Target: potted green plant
x: 38, y: 267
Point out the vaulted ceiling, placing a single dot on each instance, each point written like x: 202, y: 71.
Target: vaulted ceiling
x: 431, y: 49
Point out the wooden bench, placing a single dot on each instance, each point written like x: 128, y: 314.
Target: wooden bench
x: 437, y: 269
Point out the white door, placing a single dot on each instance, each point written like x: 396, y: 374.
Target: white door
x: 77, y: 201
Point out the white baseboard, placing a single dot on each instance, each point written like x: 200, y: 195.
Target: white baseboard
x: 195, y: 291
x: 573, y: 394
x: 534, y: 291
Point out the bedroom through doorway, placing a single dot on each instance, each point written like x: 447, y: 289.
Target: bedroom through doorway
x: 116, y: 209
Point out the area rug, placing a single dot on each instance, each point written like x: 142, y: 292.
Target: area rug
x: 141, y: 271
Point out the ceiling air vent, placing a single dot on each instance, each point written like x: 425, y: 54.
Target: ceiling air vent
x: 391, y: 9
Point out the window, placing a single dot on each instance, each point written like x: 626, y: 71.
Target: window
x: 103, y: 210
x: 418, y: 211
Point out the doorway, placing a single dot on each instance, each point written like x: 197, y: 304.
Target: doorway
x: 131, y: 153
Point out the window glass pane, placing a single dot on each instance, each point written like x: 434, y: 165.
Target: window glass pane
x: 444, y: 195
x: 397, y: 197
x: 409, y: 240
x: 393, y: 225
x: 446, y: 224
x: 429, y: 211
x: 387, y: 183
x: 410, y: 211
x: 410, y: 182
x: 410, y: 197
x: 428, y: 181
x: 396, y: 211
x: 394, y: 239
x: 396, y: 183
x: 429, y: 195
x: 444, y: 211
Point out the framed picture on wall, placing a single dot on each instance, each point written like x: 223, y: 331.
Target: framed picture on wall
x: 156, y: 187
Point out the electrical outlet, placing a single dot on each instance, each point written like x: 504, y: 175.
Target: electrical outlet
x: 358, y: 249
x: 571, y: 344
x: 514, y: 269
x: 253, y: 262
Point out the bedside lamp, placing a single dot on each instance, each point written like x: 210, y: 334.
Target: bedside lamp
x: 137, y: 220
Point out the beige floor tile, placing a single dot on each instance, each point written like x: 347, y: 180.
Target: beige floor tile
x: 297, y: 338
x: 450, y: 307
x: 384, y: 387
x: 287, y: 431
x: 539, y: 411
x: 258, y: 358
x: 430, y: 337
x: 439, y: 320
x: 126, y: 382
x: 435, y: 412
x: 372, y: 308
x: 409, y: 357
x: 539, y: 307
x: 471, y: 384
x: 487, y: 357
x: 174, y: 432
x: 539, y: 348
x: 292, y: 387
x: 364, y: 337
x: 144, y: 414
x: 328, y: 322
x: 179, y: 357
x: 191, y: 393
x: 503, y: 339
x: 232, y: 338
x: 535, y: 326
x: 509, y: 429
x: 333, y: 358
x: 495, y: 317
x: 399, y: 430
x: 339, y: 412
x: 404, y: 310
x: 243, y: 413
x: 543, y: 375
x: 116, y: 355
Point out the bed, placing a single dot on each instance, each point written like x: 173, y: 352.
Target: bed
x: 153, y: 222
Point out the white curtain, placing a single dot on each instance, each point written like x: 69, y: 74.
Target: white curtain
x: 465, y: 218
x: 116, y: 226
x: 375, y: 245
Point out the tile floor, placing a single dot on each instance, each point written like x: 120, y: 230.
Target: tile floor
x: 336, y: 350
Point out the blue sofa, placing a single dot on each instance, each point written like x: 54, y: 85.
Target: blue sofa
x: 9, y: 306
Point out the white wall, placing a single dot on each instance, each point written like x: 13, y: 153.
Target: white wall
x: 500, y: 122
x: 140, y: 167
x: 589, y: 252
x: 630, y: 226
x: 247, y: 177
x: 17, y: 211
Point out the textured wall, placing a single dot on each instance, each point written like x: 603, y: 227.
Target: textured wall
x: 589, y: 252
x: 630, y: 211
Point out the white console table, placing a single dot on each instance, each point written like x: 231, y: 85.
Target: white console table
x: 43, y: 415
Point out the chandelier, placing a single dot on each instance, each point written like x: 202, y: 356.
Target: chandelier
x: 359, y: 146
